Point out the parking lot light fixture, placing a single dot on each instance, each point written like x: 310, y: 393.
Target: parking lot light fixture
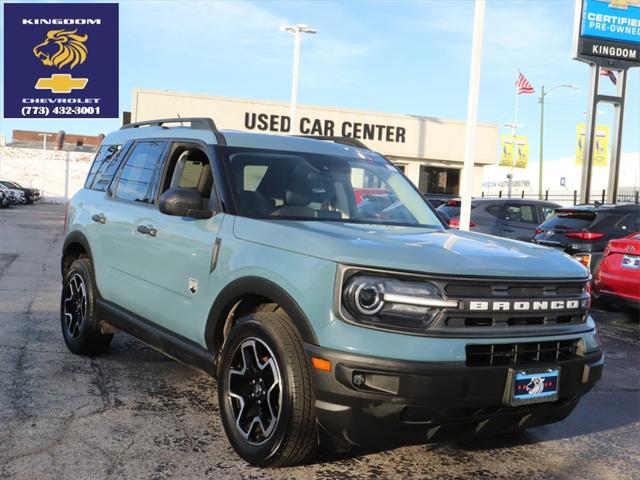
x: 296, y: 30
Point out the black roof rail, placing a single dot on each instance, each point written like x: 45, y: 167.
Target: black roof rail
x: 352, y: 142
x: 196, y: 123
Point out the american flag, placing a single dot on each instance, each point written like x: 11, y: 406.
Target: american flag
x: 523, y: 85
x: 605, y: 72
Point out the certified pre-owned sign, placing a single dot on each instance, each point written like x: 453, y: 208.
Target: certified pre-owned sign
x: 60, y: 60
x: 608, y: 32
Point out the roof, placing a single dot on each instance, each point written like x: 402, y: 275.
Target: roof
x: 233, y: 138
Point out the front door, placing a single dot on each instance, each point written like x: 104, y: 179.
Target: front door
x: 173, y: 254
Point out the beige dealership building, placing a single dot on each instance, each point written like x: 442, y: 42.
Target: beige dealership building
x: 429, y: 150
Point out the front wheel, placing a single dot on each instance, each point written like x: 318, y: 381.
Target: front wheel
x: 265, y: 394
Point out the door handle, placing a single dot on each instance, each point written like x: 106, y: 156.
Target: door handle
x: 505, y: 229
x: 143, y: 229
x: 99, y: 218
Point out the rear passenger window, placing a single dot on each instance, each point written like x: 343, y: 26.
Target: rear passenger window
x: 137, y: 175
x: 105, y: 164
x: 520, y: 213
x: 495, y: 210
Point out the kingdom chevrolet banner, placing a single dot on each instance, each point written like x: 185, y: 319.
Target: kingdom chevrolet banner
x: 61, y: 60
x: 521, y: 154
x: 607, y: 32
x: 600, y: 145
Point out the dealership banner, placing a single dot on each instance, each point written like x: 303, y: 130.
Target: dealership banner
x: 608, y: 32
x: 61, y: 60
x: 600, y: 146
x: 521, y: 152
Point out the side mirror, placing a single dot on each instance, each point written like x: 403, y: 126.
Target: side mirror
x: 183, y: 202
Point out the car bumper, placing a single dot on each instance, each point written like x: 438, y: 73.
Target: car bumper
x: 407, y: 402
x: 631, y: 302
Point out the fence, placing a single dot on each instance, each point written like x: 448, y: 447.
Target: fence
x: 624, y: 196
x: 58, y: 174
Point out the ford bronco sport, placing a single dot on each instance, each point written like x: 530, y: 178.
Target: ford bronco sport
x: 247, y: 256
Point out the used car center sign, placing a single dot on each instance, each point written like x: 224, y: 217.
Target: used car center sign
x: 607, y: 32
x: 266, y: 122
x: 396, y: 135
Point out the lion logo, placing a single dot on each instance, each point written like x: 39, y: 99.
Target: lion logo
x: 61, y: 48
x: 535, y: 386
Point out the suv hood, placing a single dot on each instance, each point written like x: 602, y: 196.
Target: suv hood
x: 418, y: 249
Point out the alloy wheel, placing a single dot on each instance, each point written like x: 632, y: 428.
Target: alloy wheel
x: 255, y: 390
x: 75, y: 305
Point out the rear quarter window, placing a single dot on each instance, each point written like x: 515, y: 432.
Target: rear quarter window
x: 104, y: 167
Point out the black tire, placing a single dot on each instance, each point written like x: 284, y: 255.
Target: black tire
x: 78, y: 319
x: 290, y: 437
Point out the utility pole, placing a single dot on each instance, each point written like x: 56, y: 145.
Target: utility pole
x: 543, y: 94
x: 44, y: 154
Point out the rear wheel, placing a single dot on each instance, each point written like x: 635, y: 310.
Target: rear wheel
x: 80, y: 326
x: 265, y: 394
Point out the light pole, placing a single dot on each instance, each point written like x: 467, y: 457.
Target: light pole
x: 296, y: 31
x: 44, y: 153
x: 543, y: 94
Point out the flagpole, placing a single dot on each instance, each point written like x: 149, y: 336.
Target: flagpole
x: 514, y: 133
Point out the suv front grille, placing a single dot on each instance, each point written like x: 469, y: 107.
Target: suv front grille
x: 521, y: 354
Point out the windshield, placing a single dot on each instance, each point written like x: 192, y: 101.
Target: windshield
x: 287, y: 185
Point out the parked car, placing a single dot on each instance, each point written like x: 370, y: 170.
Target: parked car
x: 437, y: 199
x: 15, y: 196
x: 247, y: 256
x: 584, y: 231
x: 617, y: 279
x: 509, y: 217
x: 31, y: 194
x: 4, y: 199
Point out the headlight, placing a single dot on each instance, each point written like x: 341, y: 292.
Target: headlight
x: 389, y: 302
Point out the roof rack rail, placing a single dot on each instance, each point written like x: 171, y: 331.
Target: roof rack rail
x: 352, y: 142
x: 196, y: 123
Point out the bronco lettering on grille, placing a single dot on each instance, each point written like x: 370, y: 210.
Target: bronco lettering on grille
x: 523, y: 306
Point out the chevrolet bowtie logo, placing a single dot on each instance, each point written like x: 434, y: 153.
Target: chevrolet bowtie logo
x: 61, y: 83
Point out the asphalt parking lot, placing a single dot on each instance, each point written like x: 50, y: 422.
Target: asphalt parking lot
x: 134, y: 413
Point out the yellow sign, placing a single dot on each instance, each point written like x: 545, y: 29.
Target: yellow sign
x: 61, y: 83
x: 521, y: 154
x: 600, y: 145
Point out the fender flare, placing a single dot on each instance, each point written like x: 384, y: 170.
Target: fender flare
x: 78, y: 237
x: 240, y: 287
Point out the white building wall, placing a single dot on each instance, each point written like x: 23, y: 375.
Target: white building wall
x: 561, y: 177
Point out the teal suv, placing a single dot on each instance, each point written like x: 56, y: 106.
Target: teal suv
x: 327, y: 316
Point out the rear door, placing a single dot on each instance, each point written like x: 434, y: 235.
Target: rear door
x: 518, y: 221
x: 131, y: 196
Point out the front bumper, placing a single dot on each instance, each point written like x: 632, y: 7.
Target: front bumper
x: 408, y: 402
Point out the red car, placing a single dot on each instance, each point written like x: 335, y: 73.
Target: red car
x: 618, y: 276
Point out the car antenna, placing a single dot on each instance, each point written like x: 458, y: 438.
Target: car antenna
x: 180, y: 118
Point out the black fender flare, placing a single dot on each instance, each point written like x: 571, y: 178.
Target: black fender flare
x: 73, y: 237
x: 240, y: 287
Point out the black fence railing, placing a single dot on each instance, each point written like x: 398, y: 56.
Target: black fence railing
x: 623, y: 197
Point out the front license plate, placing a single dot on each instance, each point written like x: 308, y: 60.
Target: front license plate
x: 537, y: 386
x: 631, y: 261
